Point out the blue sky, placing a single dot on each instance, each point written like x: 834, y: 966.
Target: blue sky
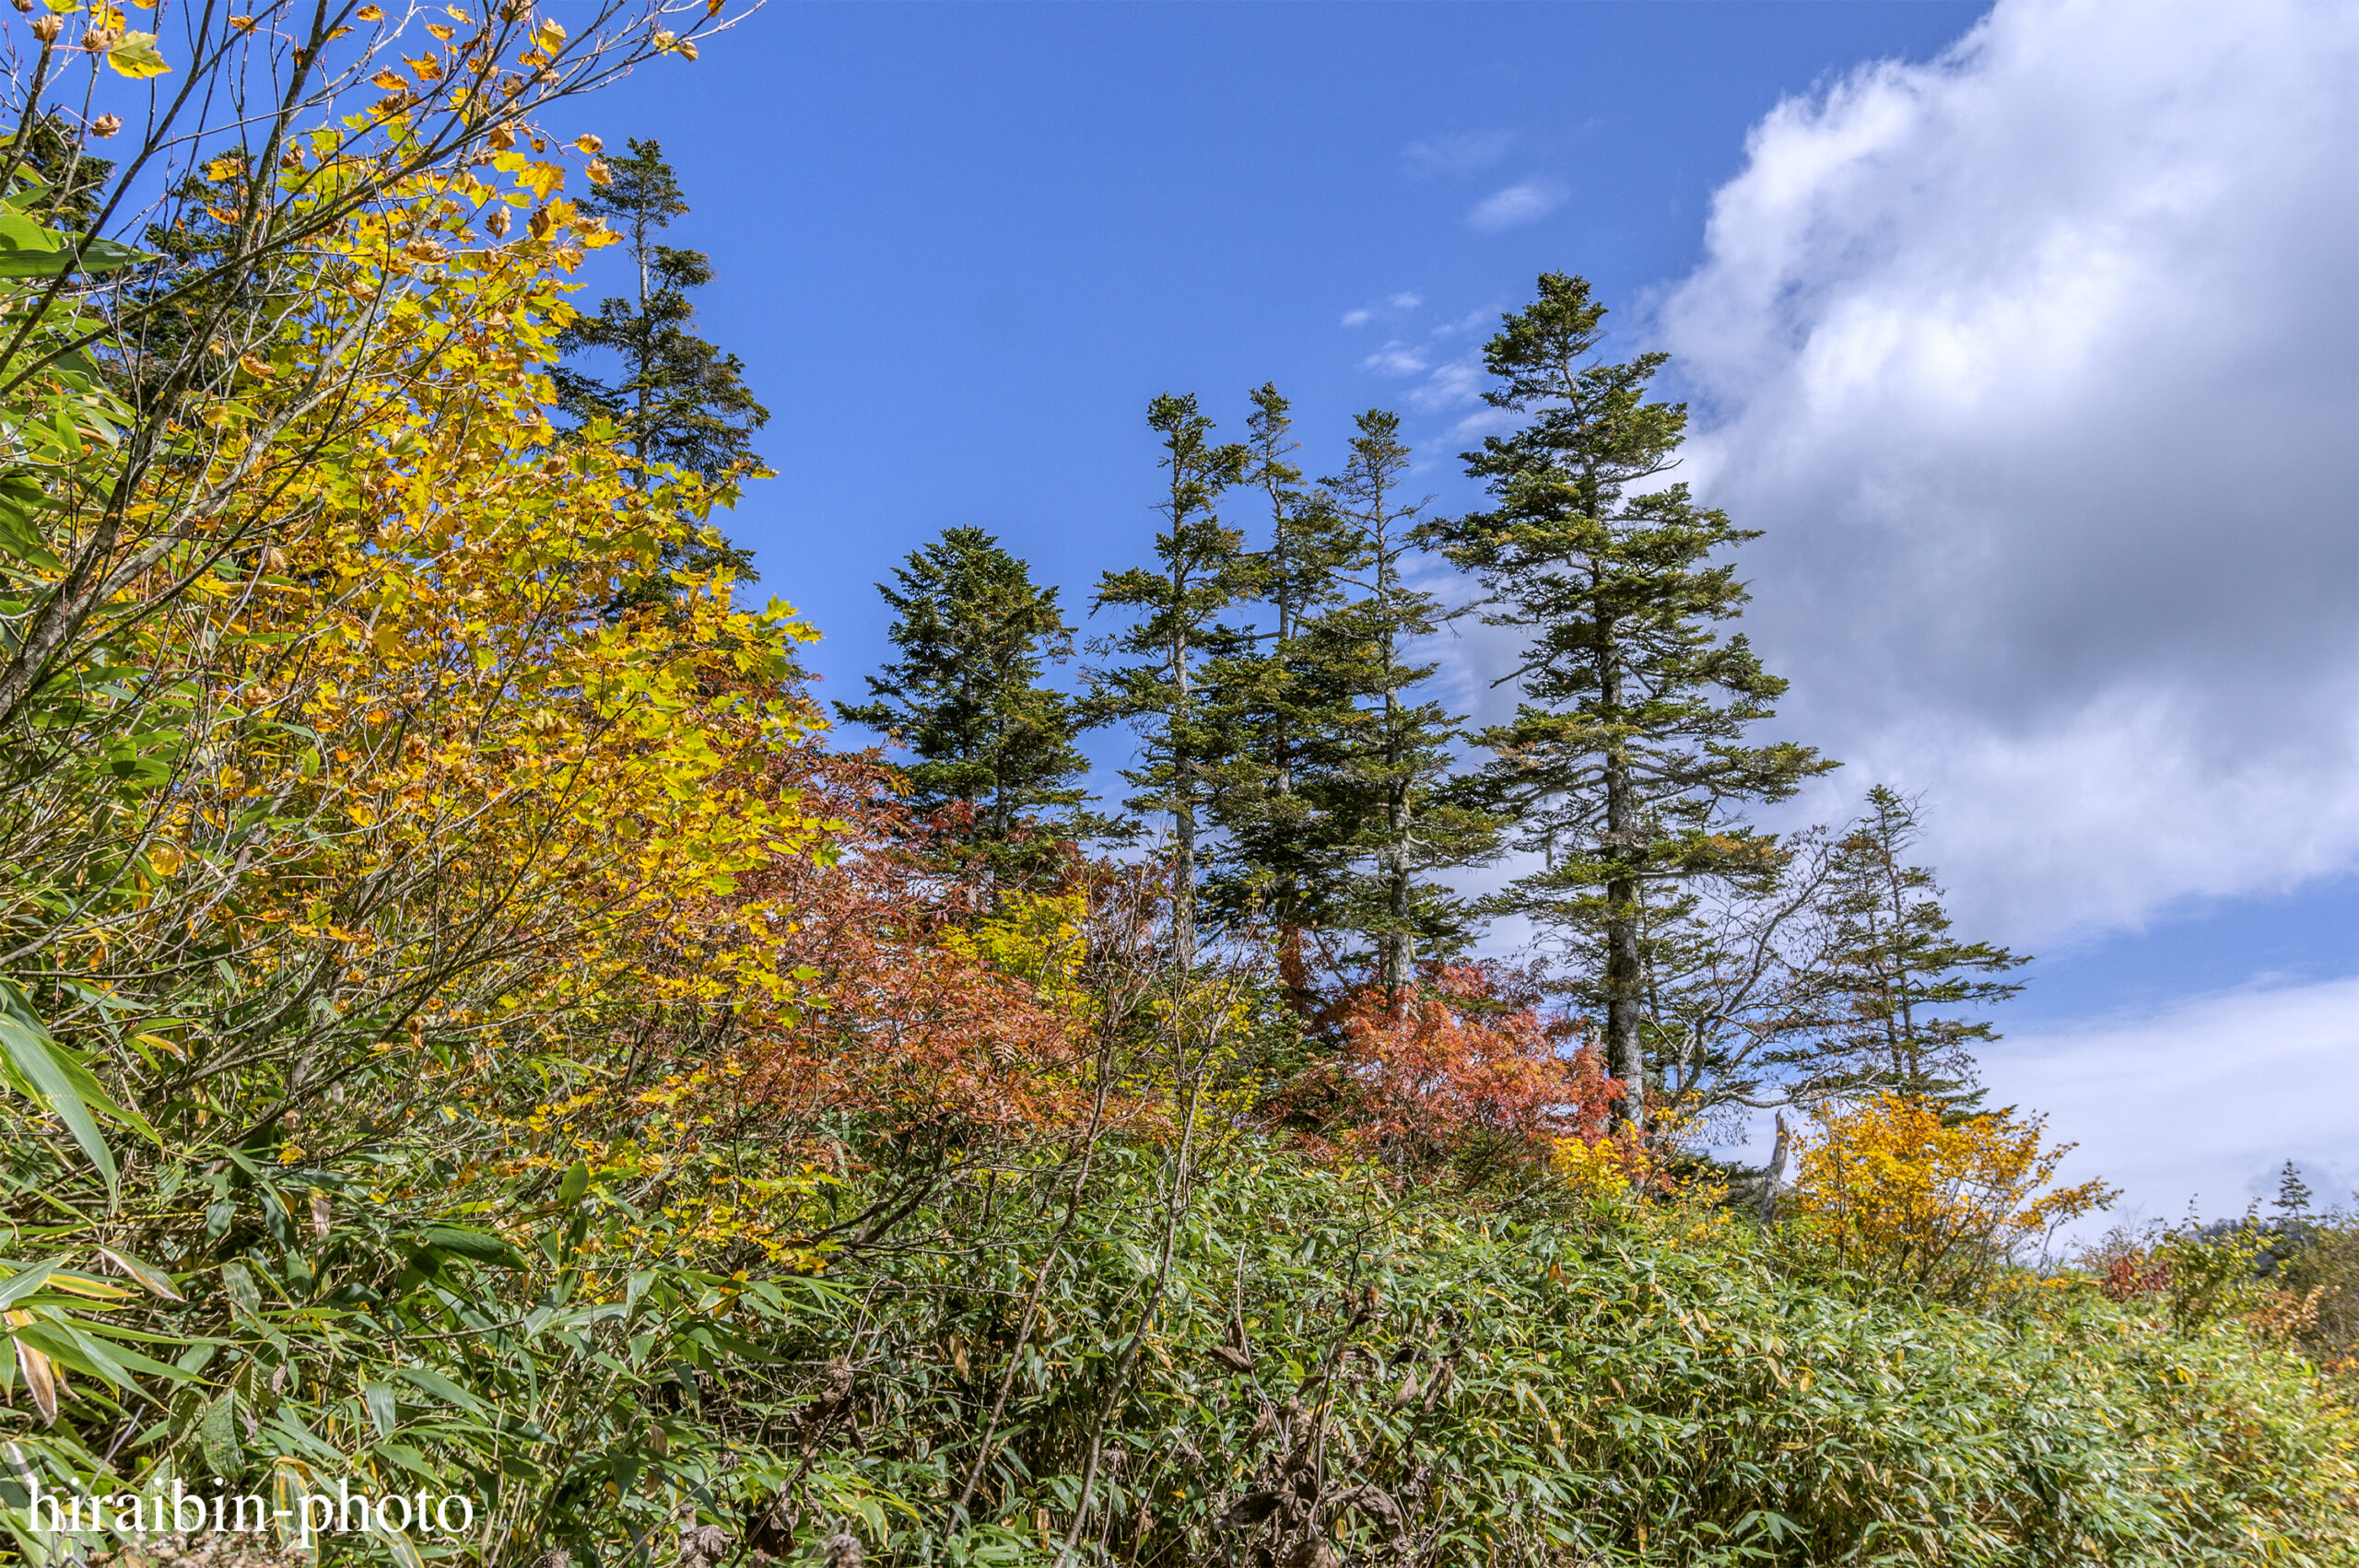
x: 1959, y: 296
x: 961, y: 246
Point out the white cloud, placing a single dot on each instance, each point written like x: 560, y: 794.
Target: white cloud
x: 1392, y: 305
x: 1396, y: 359
x: 1454, y: 384
x: 1466, y: 153
x: 2204, y: 1100
x: 1522, y: 203
x: 2039, y: 366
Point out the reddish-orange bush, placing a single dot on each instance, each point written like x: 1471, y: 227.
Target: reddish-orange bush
x: 1465, y: 1063
x: 2134, y: 1275
x: 905, y: 1027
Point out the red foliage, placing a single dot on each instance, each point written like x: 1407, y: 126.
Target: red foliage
x: 1465, y: 1062
x: 896, y: 1033
x: 2133, y: 1275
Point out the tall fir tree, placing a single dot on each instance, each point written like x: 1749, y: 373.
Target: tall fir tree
x: 1202, y: 569
x: 1626, y: 749
x: 1282, y: 699
x: 679, y: 400
x: 966, y: 696
x: 1886, y: 969
x: 1385, y: 767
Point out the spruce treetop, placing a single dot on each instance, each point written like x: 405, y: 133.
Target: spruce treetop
x: 679, y: 401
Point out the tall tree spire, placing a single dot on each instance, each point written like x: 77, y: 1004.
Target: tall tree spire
x: 1203, y: 568
x: 1629, y: 745
x: 1389, y: 762
x: 965, y: 697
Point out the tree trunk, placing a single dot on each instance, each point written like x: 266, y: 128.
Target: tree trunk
x: 1625, y: 1053
x: 1775, y: 1173
x: 1183, y: 819
x: 1399, y: 942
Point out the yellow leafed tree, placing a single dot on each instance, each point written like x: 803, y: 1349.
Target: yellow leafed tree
x: 1911, y: 1199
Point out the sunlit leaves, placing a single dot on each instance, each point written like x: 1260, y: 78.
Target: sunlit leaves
x: 136, y: 57
x: 1906, y: 1196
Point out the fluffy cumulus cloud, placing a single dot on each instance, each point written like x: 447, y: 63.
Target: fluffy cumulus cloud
x: 2039, y: 365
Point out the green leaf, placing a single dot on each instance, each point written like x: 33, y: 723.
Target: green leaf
x: 244, y: 1295
x: 216, y: 1435
x: 41, y: 1069
x: 24, y: 1282
x: 441, y: 1387
x: 380, y: 1400
x: 576, y: 1182
x: 480, y: 1245
x: 21, y: 536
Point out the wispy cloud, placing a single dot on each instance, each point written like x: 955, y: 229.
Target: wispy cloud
x: 1469, y: 152
x: 1453, y: 384
x: 1396, y: 358
x: 1392, y: 305
x: 1520, y: 203
x: 2121, y: 1087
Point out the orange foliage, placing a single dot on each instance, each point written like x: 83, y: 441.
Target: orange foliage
x: 903, y: 1027
x: 2133, y: 1275
x: 1465, y: 1063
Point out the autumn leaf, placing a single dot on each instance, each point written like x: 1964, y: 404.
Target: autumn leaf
x: 136, y: 57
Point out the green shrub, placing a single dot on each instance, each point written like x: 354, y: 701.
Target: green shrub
x: 1409, y: 1379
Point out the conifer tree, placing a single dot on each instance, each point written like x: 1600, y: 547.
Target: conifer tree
x: 1626, y: 748
x: 1385, y: 766
x: 1887, y: 967
x: 679, y: 400
x: 2293, y: 1194
x: 1282, y: 699
x: 52, y: 157
x: 974, y: 632
x: 1203, y: 570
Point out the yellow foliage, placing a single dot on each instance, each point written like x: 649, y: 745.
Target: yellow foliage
x: 1033, y: 937
x: 419, y: 712
x: 1601, y: 1167
x: 1906, y: 1196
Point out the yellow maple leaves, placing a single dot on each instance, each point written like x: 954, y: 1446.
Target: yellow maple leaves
x: 134, y: 54
x: 1904, y: 1195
